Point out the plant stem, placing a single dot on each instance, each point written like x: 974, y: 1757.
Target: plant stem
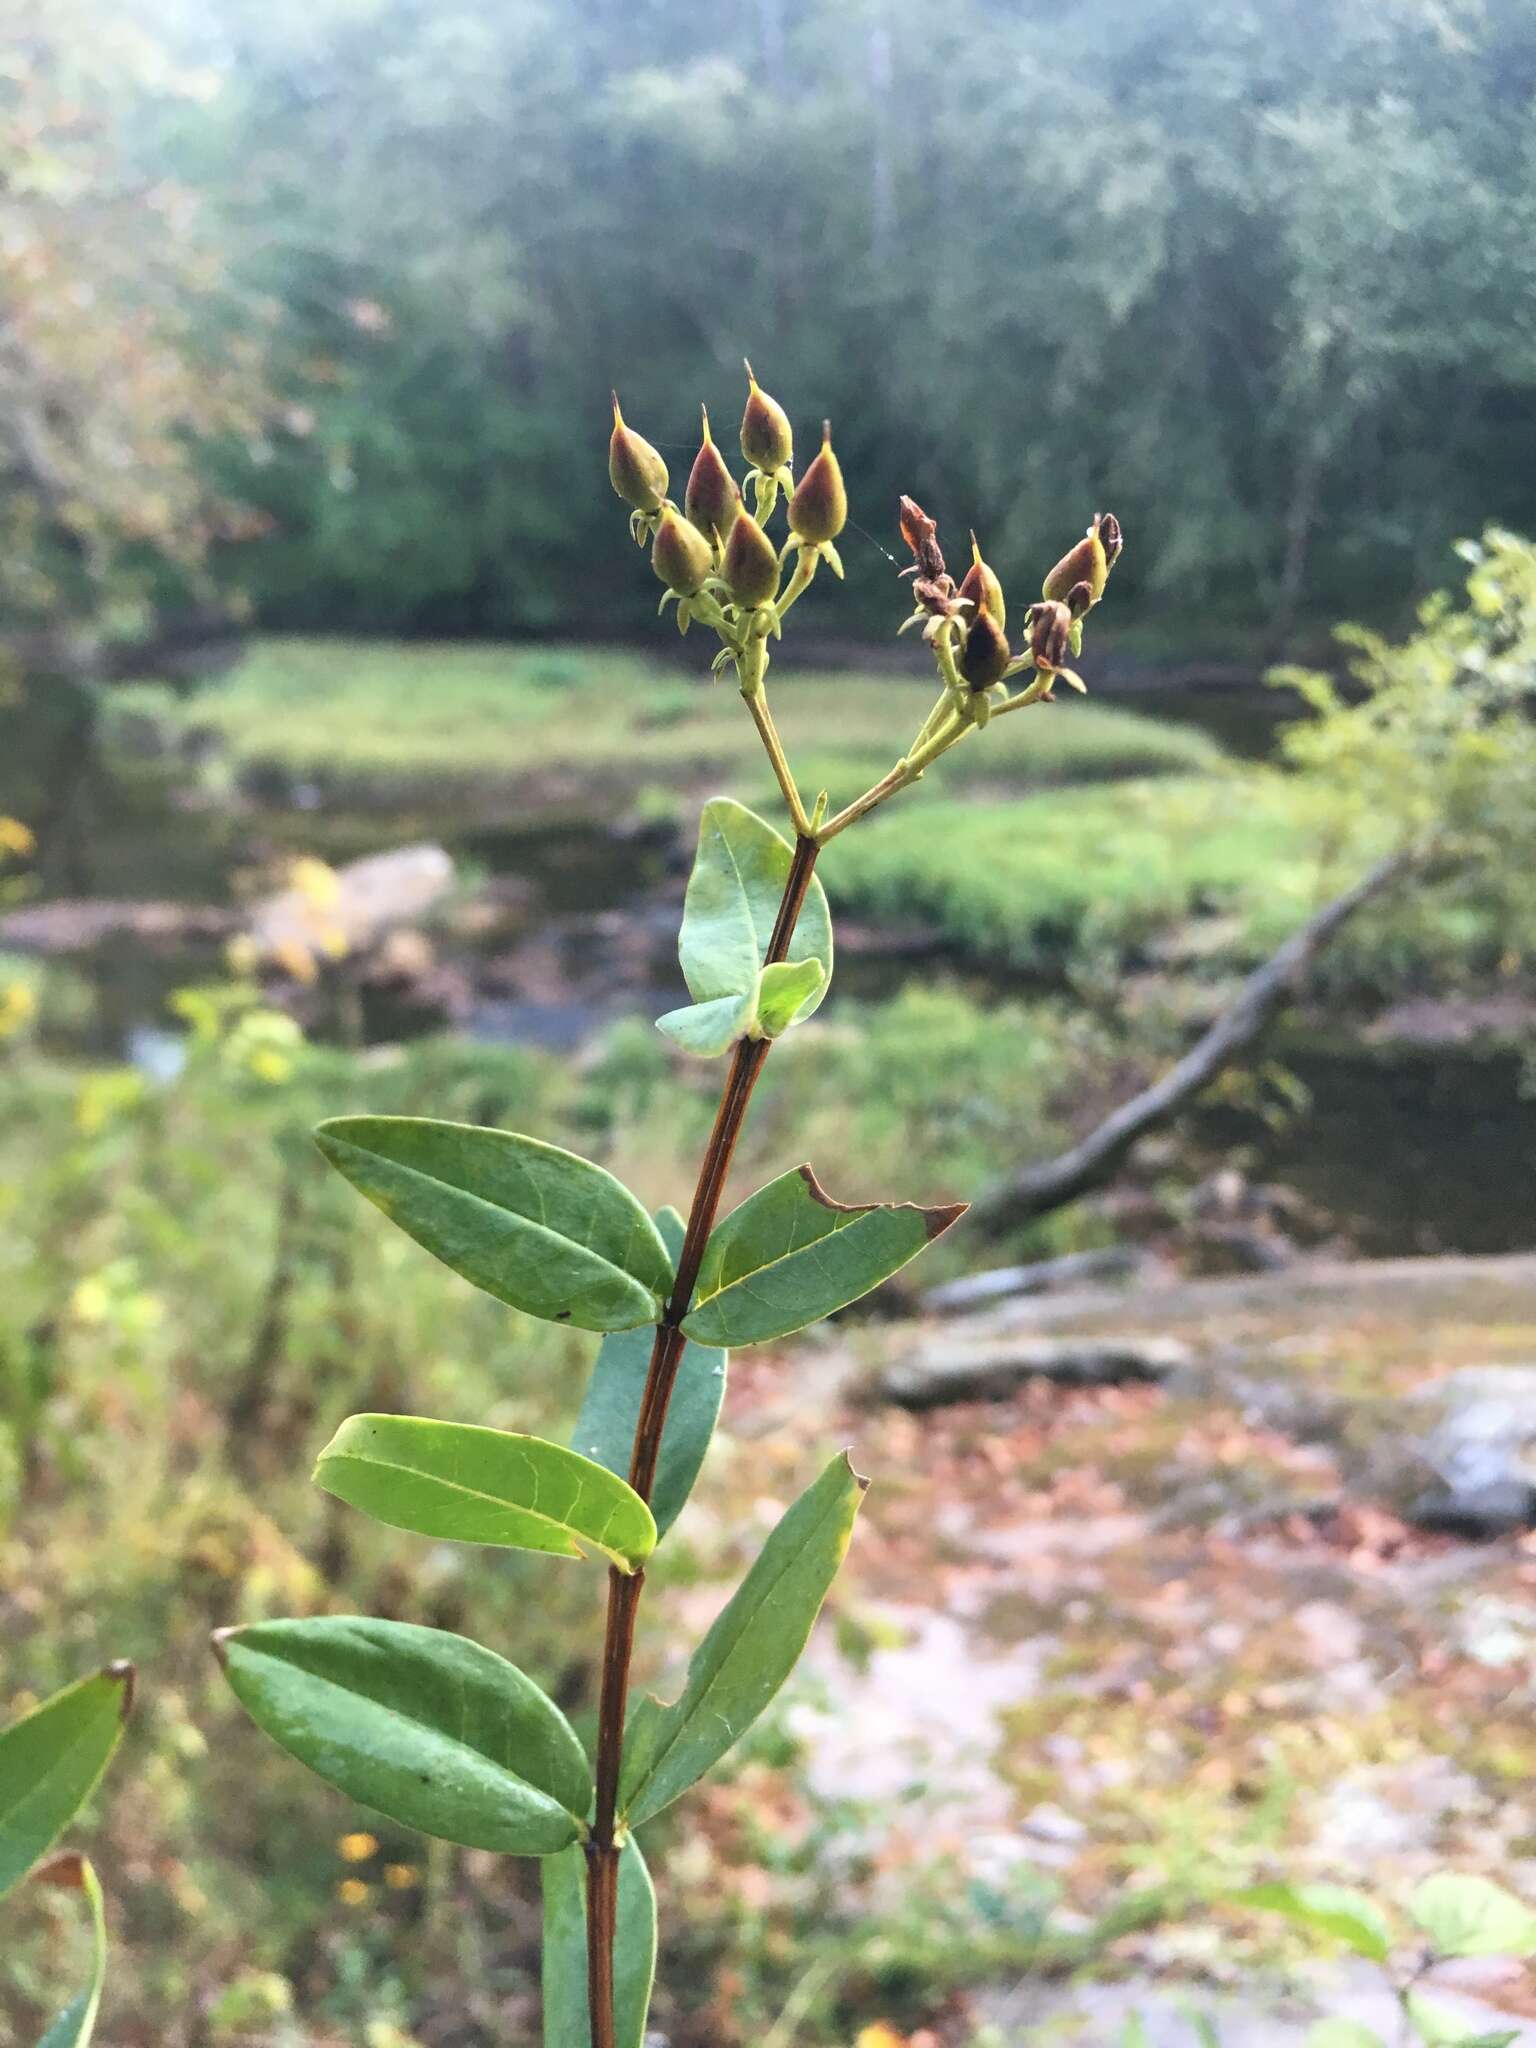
x: 762, y: 718
x: 624, y: 1589
x: 907, y: 770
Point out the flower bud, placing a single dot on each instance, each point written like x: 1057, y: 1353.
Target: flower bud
x: 751, y: 564
x: 981, y: 586
x: 682, y: 557
x: 713, y: 497
x: 635, y: 468
x: 985, y: 654
x: 818, y: 511
x: 767, y: 439
x: 1050, y: 634
x: 1089, y: 562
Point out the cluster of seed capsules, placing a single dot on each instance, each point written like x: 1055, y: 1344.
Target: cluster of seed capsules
x: 718, y: 563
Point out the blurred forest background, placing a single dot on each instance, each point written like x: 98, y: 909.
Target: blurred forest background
x: 343, y: 764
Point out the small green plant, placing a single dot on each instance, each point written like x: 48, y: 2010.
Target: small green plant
x: 1450, y: 1916
x: 430, y: 1728
x: 51, y: 1761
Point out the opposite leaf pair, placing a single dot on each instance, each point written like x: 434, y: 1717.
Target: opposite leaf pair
x: 50, y: 1763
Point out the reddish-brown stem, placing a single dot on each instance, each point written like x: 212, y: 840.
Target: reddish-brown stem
x: 666, y: 1353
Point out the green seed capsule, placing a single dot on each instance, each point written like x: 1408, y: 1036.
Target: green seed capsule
x: 635, y: 468
x: 681, y: 557
x: 713, y: 497
x: 751, y: 564
x: 767, y: 439
x: 982, y: 587
x: 1089, y: 562
x: 819, y: 509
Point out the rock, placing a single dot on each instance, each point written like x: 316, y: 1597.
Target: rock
x: 976, y: 1290
x: 75, y: 924
x: 939, y: 1371
x: 1479, y: 1443
x: 350, y: 909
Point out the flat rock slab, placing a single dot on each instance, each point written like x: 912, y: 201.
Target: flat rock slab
x: 1097, y: 2015
x: 940, y: 1370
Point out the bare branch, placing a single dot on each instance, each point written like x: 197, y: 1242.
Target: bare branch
x: 1036, y: 1190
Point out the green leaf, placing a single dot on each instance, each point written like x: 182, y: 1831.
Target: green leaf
x: 1331, y: 1909
x: 466, y: 1484
x: 75, y: 2025
x: 566, y: 2022
x: 537, y: 1227
x: 791, y: 1255
x: 783, y: 990
x: 1343, y: 2034
x: 426, y: 1727
x: 1473, y: 1916
x: 605, y: 1429
x: 51, y: 1761
x: 750, y: 1651
x: 710, y: 1029
x: 729, y: 914
x: 1440, y: 2027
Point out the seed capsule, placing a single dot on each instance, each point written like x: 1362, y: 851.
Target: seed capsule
x: 1089, y: 562
x: 767, y: 439
x: 985, y: 654
x: 982, y: 587
x: 682, y: 557
x: 751, y: 564
x: 1050, y: 634
x: 818, y: 511
x: 635, y: 468
x: 713, y: 497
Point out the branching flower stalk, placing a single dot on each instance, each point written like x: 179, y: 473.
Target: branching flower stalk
x: 427, y: 1727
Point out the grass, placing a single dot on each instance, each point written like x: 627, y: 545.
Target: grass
x: 1029, y: 884
x: 387, y: 717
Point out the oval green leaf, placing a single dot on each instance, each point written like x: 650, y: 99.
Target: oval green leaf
x: 567, y: 2022
x: 1473, y: 1916
x: 425, y: 1727
x: 51, y: 1762
x: 535, y: 1226
x: 753, y: 1646
x: 783, y: 991
x: 729, y: 913
x: 791, y: 1255
x: 605, y: 1429
x: 1331, y: 1909
x: 466, y: 1484
x: 77, y: 2022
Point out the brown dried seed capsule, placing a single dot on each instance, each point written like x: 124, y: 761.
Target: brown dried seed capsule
x: 767, y: 439
x: 1080, y: 599
x: 713, y: 497
x: 751, y: 563
x: 1111, y: 536
x: 981, y: 586
x: 681, y: 557
x: 921, y: 535
x: 1050, y: 633
x: 819, y: 509
x: 985, y: 654
x: 635, y: 468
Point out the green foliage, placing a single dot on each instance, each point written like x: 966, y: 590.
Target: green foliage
x: 427, y: 1727
x: 605, y: 1428
x: 531, y: 1224
x: 567, y: 2023
x: 77, y: 2023
x: 733, y: 899
x: 1331, y: 1909
x: 791, y: 1255
x: 463, y: 1484
x: 747, y: 1654
x: 50, y: 1763
x: 1473, y: 1916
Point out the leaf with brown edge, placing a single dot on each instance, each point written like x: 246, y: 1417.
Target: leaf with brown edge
x: 791, y: 1255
